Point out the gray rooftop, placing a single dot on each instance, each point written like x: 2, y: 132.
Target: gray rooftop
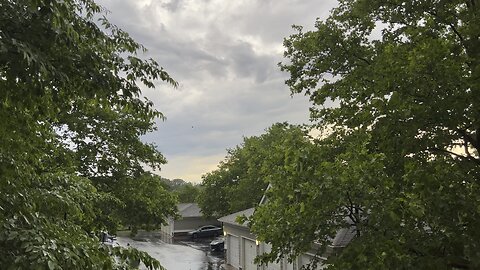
x: 232, y: 218
x: 344, y: 237
x: 189, y: 210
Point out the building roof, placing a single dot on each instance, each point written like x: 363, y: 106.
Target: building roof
x: 344, y: 237
x: 189, y: 210
x: 232, y: 218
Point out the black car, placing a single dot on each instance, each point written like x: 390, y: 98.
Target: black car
x: 218, y: 244
x: 206, y: 231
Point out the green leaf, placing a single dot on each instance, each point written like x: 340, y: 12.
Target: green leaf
x: 51, y: 265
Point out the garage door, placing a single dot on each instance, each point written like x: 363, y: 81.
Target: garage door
x: 250, y: 251
x: 289, y: 266
x: 305, y: 259
x: 272, y: 265
x: 233, y: 251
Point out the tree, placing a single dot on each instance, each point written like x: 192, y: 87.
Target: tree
x: 214, y: 198
x: 241, y: 179
x: 147, y: 203
x: 72, y: 114
x: 401, y: 158
x: 184, y: 191
x: 187, y: 193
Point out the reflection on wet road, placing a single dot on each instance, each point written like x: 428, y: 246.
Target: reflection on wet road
x: 182, y: 254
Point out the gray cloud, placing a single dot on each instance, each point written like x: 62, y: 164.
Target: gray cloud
x: 224, y: 55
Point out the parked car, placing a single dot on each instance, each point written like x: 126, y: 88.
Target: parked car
x: 108, y: 239
x: 218, y: 244
x: 105, y: 237
x: 206, y: 231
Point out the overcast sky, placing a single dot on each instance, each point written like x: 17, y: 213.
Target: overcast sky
x: 224, y: 55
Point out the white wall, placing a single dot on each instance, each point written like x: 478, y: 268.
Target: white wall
x: 167, y: 229
x: 249, y: 252
x: 242, y: 248
x: 192, y: 223
x: 233, y: 250
x: 266, y: 248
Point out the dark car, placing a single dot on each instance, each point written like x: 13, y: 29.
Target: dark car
x: 206, y: 231
x: 107, y: 238
x: 218, y: 244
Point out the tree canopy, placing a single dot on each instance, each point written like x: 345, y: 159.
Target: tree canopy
x: 241, y: 179
x: 72, y: 115
x: 395, y: 88
x: 186, y: 192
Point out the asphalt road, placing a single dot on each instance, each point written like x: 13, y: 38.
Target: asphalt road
x: 182, y: 254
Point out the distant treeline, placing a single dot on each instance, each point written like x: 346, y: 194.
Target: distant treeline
x: 186, y: 192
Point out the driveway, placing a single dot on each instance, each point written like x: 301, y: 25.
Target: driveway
x: 182, y: 254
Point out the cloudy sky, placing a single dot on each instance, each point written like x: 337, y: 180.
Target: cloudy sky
x: 224, y: 55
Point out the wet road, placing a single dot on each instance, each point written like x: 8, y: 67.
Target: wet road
x: 183, y: 254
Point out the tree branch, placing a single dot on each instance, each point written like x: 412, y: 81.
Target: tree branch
x: 353, y: 210
x: 469, y: 158
x: 353, y: 54
x: 462, y: 40
x: 465, y: 145
x: 452, y: 26
x: 477, y: 135
x: 475, y: 142
x: 471, y: 3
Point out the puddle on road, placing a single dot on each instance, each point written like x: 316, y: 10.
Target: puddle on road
x: 180, y: 255
x: 214, y: 259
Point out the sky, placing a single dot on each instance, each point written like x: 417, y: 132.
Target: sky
x: 224, y: 55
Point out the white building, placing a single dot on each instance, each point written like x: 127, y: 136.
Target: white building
x: 190, y: 219
x: 242, y: 247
